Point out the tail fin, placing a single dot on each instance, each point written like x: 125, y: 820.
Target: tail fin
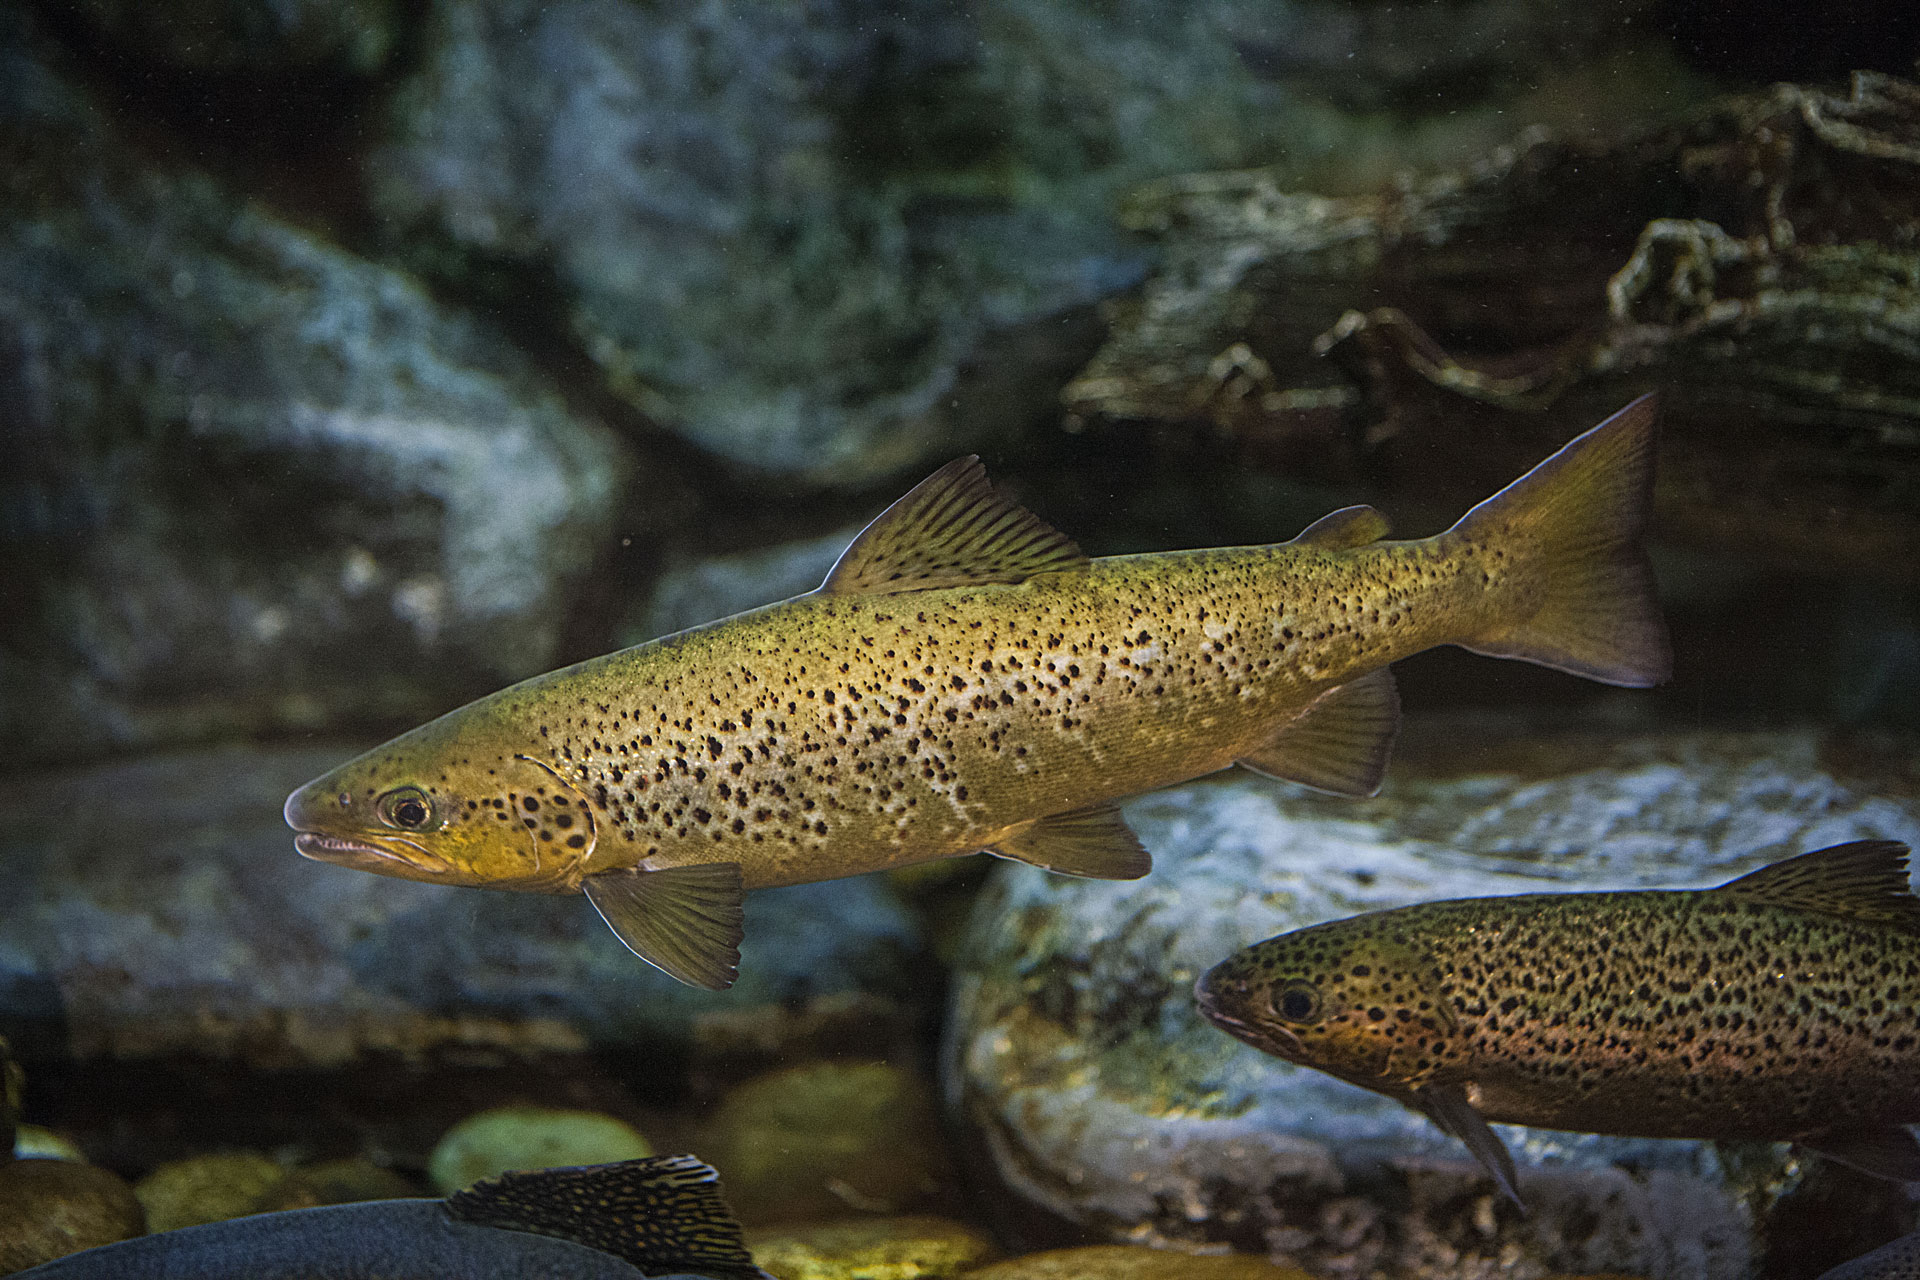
x: 1583, y: 510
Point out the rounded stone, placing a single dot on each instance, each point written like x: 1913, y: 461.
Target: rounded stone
x: 208, y: 1188
x: 915, y: 1247
x: 32, y: 1141
x: 50, y: 1208
x: 489, y: 1143
x: 1125, y: 1262
x: 813, y: 1141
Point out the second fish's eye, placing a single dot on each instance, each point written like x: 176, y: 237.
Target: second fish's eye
x: 1297, y: 1002
x: 406, y: 808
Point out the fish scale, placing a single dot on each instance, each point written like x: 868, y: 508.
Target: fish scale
x: 1782, y: 1006
x: 968, y: 679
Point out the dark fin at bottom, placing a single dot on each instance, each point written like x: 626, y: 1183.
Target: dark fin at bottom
x: 1095, y: 842
x: 1448, y: 1107
x: 1889, y: 1153
x: 662, y: 1214
x: 685, y: 921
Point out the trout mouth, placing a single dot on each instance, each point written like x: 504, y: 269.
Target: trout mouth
x: 366, y: 856
x: 1278, y: 1041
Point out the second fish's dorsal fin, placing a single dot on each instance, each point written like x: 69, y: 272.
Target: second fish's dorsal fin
x: 950, y: 530
x: 662, y: 1213
x: 1347, y: 527
x: 1865, y: 880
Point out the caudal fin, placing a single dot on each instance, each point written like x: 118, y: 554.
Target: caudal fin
x: 1581, y: 512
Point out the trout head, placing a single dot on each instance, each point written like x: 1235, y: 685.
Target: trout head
x: 1344, y: 998
x: 448, y: 804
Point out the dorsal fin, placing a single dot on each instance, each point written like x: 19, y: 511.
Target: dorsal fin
x: 950, y: 530
x: 1347, y: 527
x: 1865, y: 880
x: 661, y: 1213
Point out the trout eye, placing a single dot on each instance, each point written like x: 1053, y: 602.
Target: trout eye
x: 406, y: 808
x: 1297, y: 1002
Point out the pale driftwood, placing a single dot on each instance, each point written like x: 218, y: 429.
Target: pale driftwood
x: 1759, y: 264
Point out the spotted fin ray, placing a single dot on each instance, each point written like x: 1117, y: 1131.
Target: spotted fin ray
x: 951, y: 530
x: 661, y: 1213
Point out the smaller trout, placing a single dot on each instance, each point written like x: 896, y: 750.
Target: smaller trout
x: 1899, y: 1260
x: 657, y: 1217
x: 1777, y: 1007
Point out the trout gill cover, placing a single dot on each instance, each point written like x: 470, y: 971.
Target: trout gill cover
x: 968, y: 679
x: 1780, y: 1006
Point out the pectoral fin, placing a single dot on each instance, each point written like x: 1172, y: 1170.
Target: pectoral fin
x: 1094, y: 842
x: 685, y: 921
x: 1447, y: 1106
x: 1341, y: 742
x: 1888, y: 1153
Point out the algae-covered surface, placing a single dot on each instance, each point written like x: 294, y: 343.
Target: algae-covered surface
x: 359, y: 360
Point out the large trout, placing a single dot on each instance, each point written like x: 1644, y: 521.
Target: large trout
x: 1778, y: 1006
x: 968, y: 679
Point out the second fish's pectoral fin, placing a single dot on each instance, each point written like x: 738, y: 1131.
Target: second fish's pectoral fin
x: 685, y: 921
x: 1343, y: 529
x: 1447, y: 1106
x: 951, y: 530
x: 1341, y: 742
x: 1094, y: 842
x: 1890, y: 1152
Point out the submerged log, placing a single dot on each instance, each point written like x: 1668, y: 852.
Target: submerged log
x: 1758, y: 263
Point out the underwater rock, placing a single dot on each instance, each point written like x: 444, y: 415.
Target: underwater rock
x: 212, y: 1188
x: 816, y: 1140
x: 35, y: 1142
x: 1754, y: 261
x: 1100, y: 1095
x: 50, y: 1208
x: 844, y: 243
x: 251, y: 37
x: 156, y: 907
x: 13, y: 1082
x: 1122, y: 1262
x: 344, y: 1181
x: 529, y: 1137
x: 238, y: 460
x: 906, y: 1248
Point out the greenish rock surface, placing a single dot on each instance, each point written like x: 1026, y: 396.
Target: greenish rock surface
x: 1100, y: 1094
x: 156, y: 907
x: 210, y: 1188
x: 50, y: 1208
x: 915, y: 1247
x: 238, y: 460
x: 817, y: 1140
x: 35, y: 1142
x: 529, y: 1137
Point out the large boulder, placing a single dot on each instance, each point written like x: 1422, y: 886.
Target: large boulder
x: 156, y: 908
x: 240, y: 461
x: 844, y: 241
x: 1102, y: 1097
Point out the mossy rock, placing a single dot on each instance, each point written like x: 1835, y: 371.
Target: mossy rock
x: 1126, y: 1262
x: 491, y: 1142
x: 50, y: 1208
x: 212, y: 1188
x: 905, y: 1248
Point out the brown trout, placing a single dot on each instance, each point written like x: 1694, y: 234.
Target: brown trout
x: 1779, y: 1006
x: 968, y: 679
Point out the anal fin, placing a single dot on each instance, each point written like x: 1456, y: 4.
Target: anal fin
x: 1094, y: 842
x: 1448, y: 1107
x: 685, y: 921
x: 1341, y: 742
x: 1890, y: 1152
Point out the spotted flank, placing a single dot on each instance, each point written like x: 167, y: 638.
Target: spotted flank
x: 1779, y: 1006
x: 967, y: 679
x: 662, y: 1213
x: 1899, y: 1260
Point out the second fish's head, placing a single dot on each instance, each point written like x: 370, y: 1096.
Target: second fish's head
x: 448, y: 804
x: 1355, y: 998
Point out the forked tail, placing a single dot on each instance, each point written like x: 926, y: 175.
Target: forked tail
x: 1581, y: 512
